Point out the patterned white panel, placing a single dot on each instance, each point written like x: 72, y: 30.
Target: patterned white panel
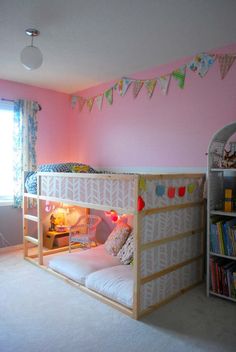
x: 153, y: 201
x: 170, y: 223
x: 118, y: 193
x: 161, y: 257
x: 162, y: 288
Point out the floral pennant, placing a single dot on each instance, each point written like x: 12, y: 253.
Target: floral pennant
x: 137, y: 87
x: 225, y: 62
x: 201, y: 63
x: 81, y: 102
x: 73, y: 101
x: 99, y: 100
x: 122, y: 85
x: 171, y: 192
x: 109, y: 95
x: 160, y: 190
x: 179, y: 75
x: 89, y: 103
x: 164, y: 82
x: 142, y: 184
x: 150, y: 85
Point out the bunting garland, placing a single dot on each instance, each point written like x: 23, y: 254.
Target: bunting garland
x: 81, y: 101
x: 200, y: 64
x: 164, y: 82
x: 179, y: 76
x: 225, y: 63
x: 99, y: 100
x: 89, y: 103
x: 150, y: 85
x: 109, y: 95
x: 122, y: 86
x: 137, y: 87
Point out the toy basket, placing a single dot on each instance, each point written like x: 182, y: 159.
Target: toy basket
x: 84, y: 230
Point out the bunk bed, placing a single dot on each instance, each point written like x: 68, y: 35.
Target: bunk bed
x: 168, y: 227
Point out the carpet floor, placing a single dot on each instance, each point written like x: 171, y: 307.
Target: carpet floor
x: 39, y: 312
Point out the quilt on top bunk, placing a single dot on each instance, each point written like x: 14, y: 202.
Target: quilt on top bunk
x: 31, y: 178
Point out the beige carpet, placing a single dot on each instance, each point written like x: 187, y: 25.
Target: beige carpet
x: 41, y: 313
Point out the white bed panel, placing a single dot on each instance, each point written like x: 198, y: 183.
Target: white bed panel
x: 77, y: 265
x: 155, y: 291
x: 170, y: 223
x: 168, y: 254
x: 115, y: 283
x: 118, y: 193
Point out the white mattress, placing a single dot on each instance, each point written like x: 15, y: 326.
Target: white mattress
x: 115, y: 283
x: 78, y: 265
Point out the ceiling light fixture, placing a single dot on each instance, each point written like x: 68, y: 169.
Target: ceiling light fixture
x: 31, y: 57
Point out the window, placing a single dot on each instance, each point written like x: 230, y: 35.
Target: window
x: 6, y: 152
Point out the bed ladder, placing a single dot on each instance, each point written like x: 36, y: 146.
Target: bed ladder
x: 27, y: 238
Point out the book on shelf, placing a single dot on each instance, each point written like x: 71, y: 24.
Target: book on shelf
x: 223, y: 236
x: 223, y: 276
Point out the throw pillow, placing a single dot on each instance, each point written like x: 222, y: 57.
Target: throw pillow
x: 117, y: 238
x: 126, y: 252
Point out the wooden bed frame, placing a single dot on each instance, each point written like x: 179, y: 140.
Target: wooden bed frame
x: 169, y: 230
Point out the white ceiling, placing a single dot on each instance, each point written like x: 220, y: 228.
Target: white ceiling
x: 86, y: 42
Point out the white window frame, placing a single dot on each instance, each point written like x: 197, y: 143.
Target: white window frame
x: 6, y: 200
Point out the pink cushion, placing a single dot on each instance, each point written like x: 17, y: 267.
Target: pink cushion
x: 117, y: 238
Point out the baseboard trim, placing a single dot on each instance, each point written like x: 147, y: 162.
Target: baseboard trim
x: 11, y: 248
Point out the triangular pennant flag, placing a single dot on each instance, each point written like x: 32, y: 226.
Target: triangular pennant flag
x: 179, y: 75
x: 225, y: 62
x: 201, y: 63
x: 99, y: 100
x: 109, y: 95
x: 81, y: 101
x: 126, y: 84
x: 122, y: 85
x: 142, y: 184
x: 137, y: 87
x: 73, y: 101
x: 89, y: 103
x: 164, y: 82
x: 150, y: 85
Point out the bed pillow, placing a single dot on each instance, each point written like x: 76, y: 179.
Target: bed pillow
x: 117, y: 238
x: 126, y: 253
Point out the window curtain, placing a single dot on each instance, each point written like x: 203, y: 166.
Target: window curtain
x: 25, y: 137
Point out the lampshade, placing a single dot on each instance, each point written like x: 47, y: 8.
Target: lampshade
x: 31, y: 57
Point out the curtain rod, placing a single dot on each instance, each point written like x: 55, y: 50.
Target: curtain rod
x: 12, y: 101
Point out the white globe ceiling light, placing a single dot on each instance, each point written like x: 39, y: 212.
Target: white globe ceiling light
x: 31, y: 57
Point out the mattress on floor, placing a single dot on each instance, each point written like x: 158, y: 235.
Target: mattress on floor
x: 78, y: 265
x: 115, y: 283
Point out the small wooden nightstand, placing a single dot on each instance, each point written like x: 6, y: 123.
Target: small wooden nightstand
x: 50, y: 237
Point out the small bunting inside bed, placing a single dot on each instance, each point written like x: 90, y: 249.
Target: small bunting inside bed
x: 160, y: 190
x: 171, y: 192
x: 181, y: 191
x: 191, y: 187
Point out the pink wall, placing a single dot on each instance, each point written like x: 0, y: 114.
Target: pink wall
x: 53, y: 119
x: 52, y: 143
x: 164, y: 131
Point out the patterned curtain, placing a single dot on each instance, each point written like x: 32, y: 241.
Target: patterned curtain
x: 25, y: 136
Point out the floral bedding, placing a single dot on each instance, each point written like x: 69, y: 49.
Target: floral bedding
x: 31, y: 179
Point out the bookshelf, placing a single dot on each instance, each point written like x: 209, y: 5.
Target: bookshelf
x: 221, y: 224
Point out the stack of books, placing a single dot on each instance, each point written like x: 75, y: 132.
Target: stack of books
x: 223, y: 276
x: 223, y: 236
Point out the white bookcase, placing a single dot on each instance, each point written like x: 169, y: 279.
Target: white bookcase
x: 219, y: 178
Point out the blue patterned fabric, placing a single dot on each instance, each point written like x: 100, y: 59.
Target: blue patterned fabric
x: 31, y: 179
x: 24, y: 141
